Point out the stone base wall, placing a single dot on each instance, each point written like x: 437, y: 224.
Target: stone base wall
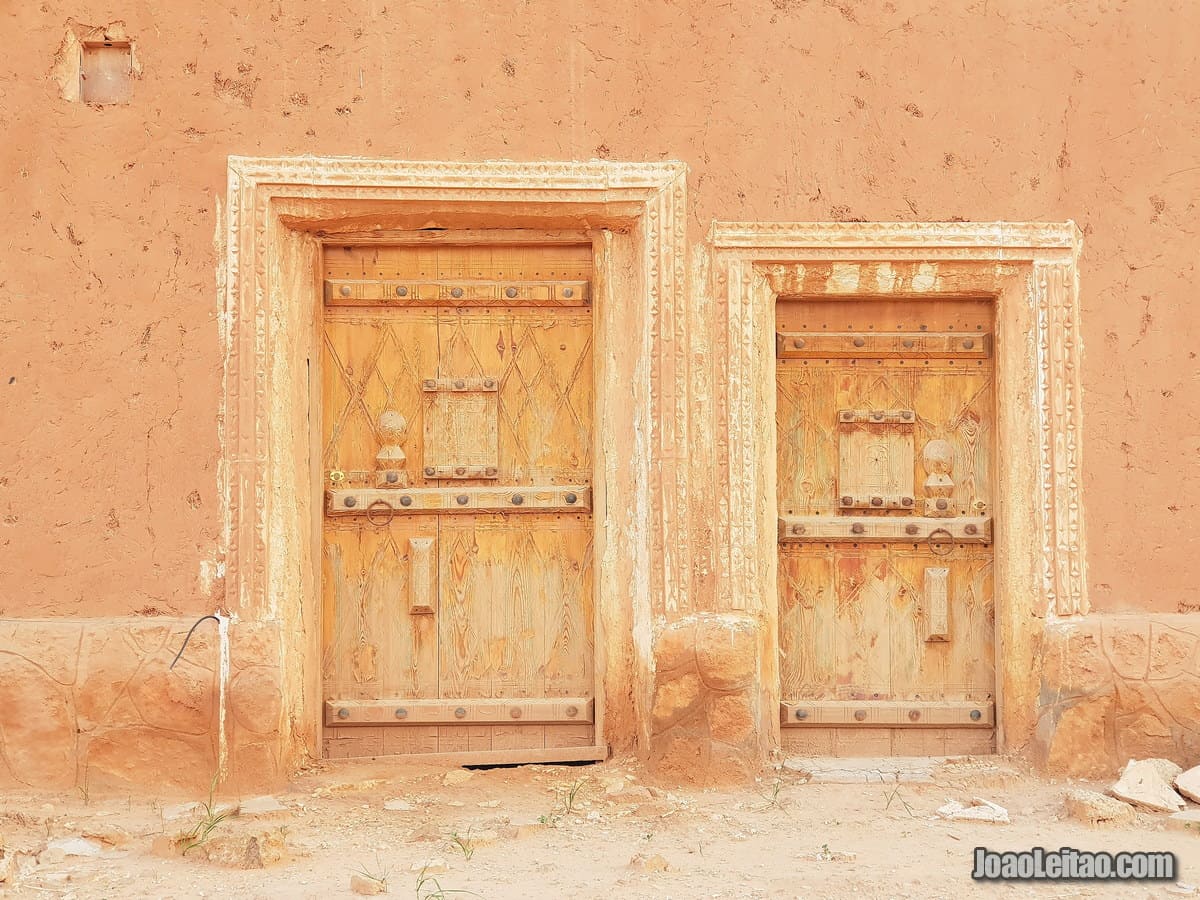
x: 93, y: 704
x: 1118, y: 687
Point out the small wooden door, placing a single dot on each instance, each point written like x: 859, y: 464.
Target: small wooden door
x: 457, y: 464
x: 886, y: 433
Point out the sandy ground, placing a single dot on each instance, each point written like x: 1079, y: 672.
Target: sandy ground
x: 572, y: 831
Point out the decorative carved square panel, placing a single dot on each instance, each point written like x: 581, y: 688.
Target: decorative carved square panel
x: 875, y: 458
x: 461, y: 417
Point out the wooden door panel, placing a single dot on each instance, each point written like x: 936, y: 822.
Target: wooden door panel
x: 885, y: 423
x: 374, y: 362
x: 376, y: 646
x: 516, y: 606
x: 543, y: 362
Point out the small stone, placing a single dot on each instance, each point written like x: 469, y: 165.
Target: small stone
x: 655, y: 863
x: 248, y: 850
x: 1182, y: 889
x: 431, y: 866
x: 260, y: 806
x: 457, y: 776
x: 60, y: 848
x: 980, y: 810
x: 614, y: 786
x: 1188, y: 784
x: 1142, y: 784
x: 488, y: 804
x: 1096, y: 809
x: 398, y: 805
x: 1188, y: 821
x: 455, y: 803
x: 368, y: 887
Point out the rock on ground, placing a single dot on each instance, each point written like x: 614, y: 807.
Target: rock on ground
x: 457, y: 776
x: 655, y: 863
x: 1185, y: 821
x: 1142, y: 784
x: 1096, y: 809
x: 1188, y: 784
x: 368, y: 887
x: 980, y: 810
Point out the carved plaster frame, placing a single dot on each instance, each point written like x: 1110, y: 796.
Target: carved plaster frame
x: 1031, y: 271
x: 277, y: 213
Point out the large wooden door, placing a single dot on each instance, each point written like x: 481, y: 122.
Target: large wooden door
x: 457, y: 461
x: 885, y: 434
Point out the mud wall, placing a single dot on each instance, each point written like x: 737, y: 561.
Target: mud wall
x: 110, y: 361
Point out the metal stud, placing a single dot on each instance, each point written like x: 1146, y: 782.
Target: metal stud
x: 460, y: 470
x: 430, y: 384
x: 401, y: 713
x: 406, y: 501
x: 847, y: 415
x: 859, y: 342
x: 906, y: 501
x: 860, y: 715
x: 914, y: 715
x: 906, y: 414
x: 797, y: 529
x: 460, y: 713
x: 351, y: 501
x: 491, y: 470
x: 517, y: 499
x: 456, y: 293
x: 968, y: 344
x: 489, y: 383
x: 802, y: 714
x: 877, y: 415
x: 402, y: 291
x: 461, y: 499
x: 911, y: 529
x: 976, y: 715
x: 345, y: 291
x: 429, y: 470
x: 572, y: 712
x: 941, y: 503
x: 510, y: 292
x: 857, y: 528
x: 343, y: 713
x: 971, y: 529
x: 515, y: 712
x: 459, y: 383
x: 568, y: 293
x: 847, y: 501
x: 908, y: 343
x: 570, y: 498
x: 392, y: 477
x: 798, y: 343
x: 877, y: 501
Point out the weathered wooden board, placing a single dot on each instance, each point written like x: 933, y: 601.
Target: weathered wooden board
x: 888, y: 713
x: 562, y: 710
x: 851, y: 741
x: 877, y: 345
x: 962, y: 529
x: 359, y: 292
x: 459, y: 499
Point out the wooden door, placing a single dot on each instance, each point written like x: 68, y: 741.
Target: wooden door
x: 885, y: 434
x: 457, y: 422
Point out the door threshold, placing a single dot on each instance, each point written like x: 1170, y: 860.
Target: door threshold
x: 546, y: 755
x: 893, y: 769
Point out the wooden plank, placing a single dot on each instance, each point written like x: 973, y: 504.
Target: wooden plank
x: 491, y: 238
x: 472, y: 384
x: 937, y: 605
x: 469, y: 757
x: 533, y: 499
x: 881, y: 345
x: 402, y: 713
x: 422, y: 581
x: 915, y: 529
x: 888, y: 713
x: 371, y: 292
x: 461, y: 425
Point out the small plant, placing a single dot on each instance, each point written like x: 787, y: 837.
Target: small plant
x: 773, y: 800
x: 202, y: 830
x: 463, y: 842
x: 565, y: 798
x: 378, y: 875
x: 895, y: 795
x: 429, y: 888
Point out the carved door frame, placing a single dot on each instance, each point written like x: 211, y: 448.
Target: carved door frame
x: 1030, y: 271
x: 278, y: 213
